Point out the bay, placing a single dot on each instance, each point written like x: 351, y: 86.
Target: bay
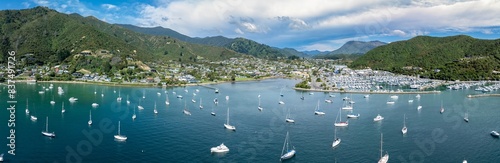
x: 171, y: 136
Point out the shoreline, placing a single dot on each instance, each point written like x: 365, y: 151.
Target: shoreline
x: 149, y: 84
x: 483, y: 95
x: 367, y: 92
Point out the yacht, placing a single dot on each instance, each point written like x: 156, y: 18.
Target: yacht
x: 46, y: 132
x: 219, y: 149
x: 120, y: 137
x: 378, y: 118
x: 317, y: 111
x: 336, y: 140
x: 385, y: 158
x: 495, y: 134
x: 227, y: 125
x: 340, y: 123
x: 290, y: 152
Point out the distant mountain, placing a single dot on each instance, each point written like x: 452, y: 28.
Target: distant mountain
x: 450, y: 58
x: 240, y: 45
x: 357, y: 47
x: 44, y: 36
x: 315, y: 52
x: 351, y: 47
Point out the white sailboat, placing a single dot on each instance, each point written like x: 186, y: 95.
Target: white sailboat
x: 347, y: 107
x: 95, y: 105
x: 166, y: 100
x: 340, y: 123
x: 219, y: 149
x: 139, y: 106
x: 317, y: 111
x: 442, y: 108
x: 46, y: 132
x: 186, y: 111
x: 143, y: 93
x: 259, y: 107
x: 336, y: 141
x: 353, y: 115
x: 154, y: 110
x: 289, y: 152
x: 212, y: 113
x: 419, y: 107
x: 63, y: 110
x: 404, y: 130
x: 128, y: 101
x: 385, y: 158
x: 134, y: 116
x: 466, y: 116
x: 120, y: 137
x: 227, y: 125
x: 288, y: 118
x: 33, y: 117
x: 52, y: 102
x: 201, y: 105
x: 119, y: 98
x: 27, y: 110
x: 90, y: 118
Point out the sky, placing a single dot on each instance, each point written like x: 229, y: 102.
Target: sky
x: 322, y: 25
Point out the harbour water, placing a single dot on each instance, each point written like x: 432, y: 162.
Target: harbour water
x: 171, y: 136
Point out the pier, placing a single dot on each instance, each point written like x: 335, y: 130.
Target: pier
x: 483, y: 95
x: 369, y: 92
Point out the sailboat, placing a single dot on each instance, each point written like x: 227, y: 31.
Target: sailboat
x: 290, y: 152
x: 340, y: 123
x: 442, y: 108
x: 63, y: 110
x: 227, y: 125
x: 52, y: 102
x: 90, y: 118
x: 143, y: 93
x: 466, y: 116
x: 201, y: 106
x: 404, y: 130
x: 410, y: 100
x: 154, y: 110
x: 128, y: 101
x: 288, y: 118
x: 347, y: 107
x: 134, y: 116
x: 259, y: 107
x: 33, y: 117
x: 119, y: 98
x: 46, y: 132
x: 27, y: 110
x: 120, y: 137
x: 353, y: 115
x: 317, y: 111
x: 385, y: 158
x: 212, y: 113
x: 139, y: 106
x: 166, y: 100
x: 186, y: 111
x: 336, y: 141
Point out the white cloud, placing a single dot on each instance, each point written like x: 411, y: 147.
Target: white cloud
x: 398, y: 32
x: 110, y: 7
x: 41, y: 2
x: 487, y: 31
x: 238, y: 31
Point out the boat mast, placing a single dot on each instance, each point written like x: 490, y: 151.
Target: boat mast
x: 227, y: 116
x: 118, y: 127
x: 381, y: 138
x: 47, y: 125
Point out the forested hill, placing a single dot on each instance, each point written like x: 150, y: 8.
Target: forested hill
x: 452, y: 58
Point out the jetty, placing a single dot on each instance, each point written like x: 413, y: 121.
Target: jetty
x: 483, y: 95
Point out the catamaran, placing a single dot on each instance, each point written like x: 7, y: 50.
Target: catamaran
x: 227, y: 125
x: 46, y: 132
x: 317, y: 111
x: 404, y: 130
x: 120, y: 137
x: 385, y: 158
x: 219, y: 149
x: 290, y: 152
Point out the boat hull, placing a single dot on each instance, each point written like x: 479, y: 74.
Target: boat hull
x: 288, y: 155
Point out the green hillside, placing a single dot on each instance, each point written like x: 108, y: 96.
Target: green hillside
x: 44, y: 36
x: 450, y: 58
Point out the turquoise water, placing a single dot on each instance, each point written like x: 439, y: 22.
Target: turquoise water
x: 171, y: 136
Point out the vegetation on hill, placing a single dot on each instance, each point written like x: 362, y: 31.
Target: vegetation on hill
x: 41, y: 36
x: 449, y: 58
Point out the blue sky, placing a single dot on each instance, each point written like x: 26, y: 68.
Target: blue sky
x: 303, y: 25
